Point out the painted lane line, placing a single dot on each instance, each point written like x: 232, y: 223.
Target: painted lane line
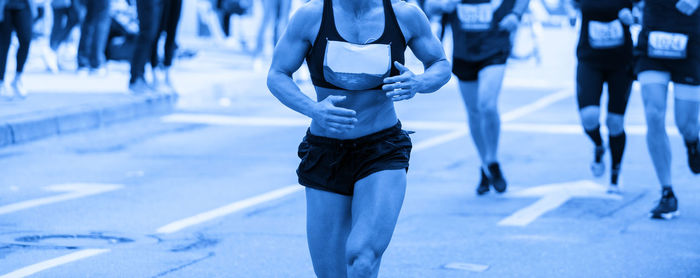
x: 237, y: 121
x: 466, y: 267
x: 73, y: 191
x: 537, y: 105
x: 576, y: 129
x: 38, y: 267
x: 553, y: 196
x: 441, y: 139
x: 228, y: 209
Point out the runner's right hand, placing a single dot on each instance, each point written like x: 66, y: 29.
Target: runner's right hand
x: 449, y: 6
x: 333, y: 118
x: 626, y: 16
x: 687, y: 7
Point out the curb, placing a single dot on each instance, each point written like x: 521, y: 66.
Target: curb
x: 26, y: 128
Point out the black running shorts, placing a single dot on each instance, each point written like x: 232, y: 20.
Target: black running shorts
x: 335, y: 165
x: 469, y: 70
x: 683, y: 71
x: 589, y: 86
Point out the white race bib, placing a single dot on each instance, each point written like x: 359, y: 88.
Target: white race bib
x: 475, y: 17
x: 603, y: 35
x: 665, y: 45
x: 356, y: 66
x: 348, y: 57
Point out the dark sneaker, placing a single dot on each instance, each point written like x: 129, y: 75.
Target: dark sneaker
x: 598, y: 165
x: 667, y: 207
x: 614, y: 187
x: 496, y: 178
x: 483, y: 187
x: 693, y: 157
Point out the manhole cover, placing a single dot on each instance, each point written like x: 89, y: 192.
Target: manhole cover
x: 72, y: 241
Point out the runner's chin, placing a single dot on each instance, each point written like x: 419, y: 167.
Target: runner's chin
x: 353, y: 81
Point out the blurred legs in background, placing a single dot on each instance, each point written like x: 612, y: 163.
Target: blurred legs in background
x: 20, y: 21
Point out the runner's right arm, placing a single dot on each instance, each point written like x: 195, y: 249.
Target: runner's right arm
x: 287, y: 58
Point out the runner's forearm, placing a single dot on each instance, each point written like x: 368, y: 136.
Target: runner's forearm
x: 283, y: 88
x: 434, y: 76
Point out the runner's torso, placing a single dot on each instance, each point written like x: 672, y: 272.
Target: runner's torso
x: 475, y: 29
x: 667, y: 33
x: 604, y: 40
x: 353, y: 63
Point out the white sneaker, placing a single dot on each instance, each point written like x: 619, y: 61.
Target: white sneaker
x: 5, y: 93
x: 598, y: 165
x: 140, y: 87
x: 18, y: 89
x: 51, y: 60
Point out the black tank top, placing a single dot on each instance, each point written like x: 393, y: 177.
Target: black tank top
x: 391, y: 35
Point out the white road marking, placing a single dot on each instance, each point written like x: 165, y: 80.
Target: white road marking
x: 552, y: 197
x: 38, y: 267
x: 467, y: 267
x: 537, y: 105
x: 457, y: 129
x: 228, y: 209
x: 74, y: 191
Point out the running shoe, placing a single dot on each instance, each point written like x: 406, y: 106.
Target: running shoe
x: 693, y: 157
x: 496, y: 178
x: 139, y: 87
x: 5, y: 92
x: 598, y: 165
x: 18, y: 89
x: 614, y: 187
x: 483, y: 187
x: 667, y: 207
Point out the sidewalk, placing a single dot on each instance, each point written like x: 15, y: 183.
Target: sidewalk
x: 66, y: 102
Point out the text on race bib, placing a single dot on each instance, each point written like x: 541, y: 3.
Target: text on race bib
x: 667, y: 45
x: 475, y: 17
x: 605, y: 34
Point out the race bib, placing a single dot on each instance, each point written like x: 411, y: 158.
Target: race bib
x: 355, y: 66
x: 665, y: 45
x: 603, y: 35
x: 475, y: 17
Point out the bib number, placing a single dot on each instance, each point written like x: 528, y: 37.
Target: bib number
x: 602, y: 35
x: 475, y: 17
x: 665, y: 45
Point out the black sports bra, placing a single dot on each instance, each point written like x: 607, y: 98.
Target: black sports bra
x: 324, y: 68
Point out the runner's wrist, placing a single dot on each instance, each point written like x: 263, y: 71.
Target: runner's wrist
x: 517, y: 14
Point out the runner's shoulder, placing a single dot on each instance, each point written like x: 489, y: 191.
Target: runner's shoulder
x: 406, y: 14
x: 307, y: 18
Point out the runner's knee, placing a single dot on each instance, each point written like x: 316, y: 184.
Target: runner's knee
x: 590, y: 117
x: 615, y: 123
x: 361, y: 261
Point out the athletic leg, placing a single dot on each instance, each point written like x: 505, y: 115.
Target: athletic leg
x: 654, y: 94
x: 490, y: 82
x: 687, y: 103
x: 5, y: 36
x: 619, y: 89
x: 376, y: 205
x: 470, y: 95
x: 327, y: 228
x: 589, y: 88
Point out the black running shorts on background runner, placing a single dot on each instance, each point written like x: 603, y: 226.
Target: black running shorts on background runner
x: 683, y: 71
x: 335, y: 165
x: 590, y: 78
x: 469, y: 70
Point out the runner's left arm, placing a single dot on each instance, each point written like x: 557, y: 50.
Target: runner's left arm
x: 510, y: 22
x: 427, y: 49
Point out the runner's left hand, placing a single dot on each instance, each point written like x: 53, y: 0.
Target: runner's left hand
x: 403, y: 86
x: 509, y: 23
x: 687, y: 7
